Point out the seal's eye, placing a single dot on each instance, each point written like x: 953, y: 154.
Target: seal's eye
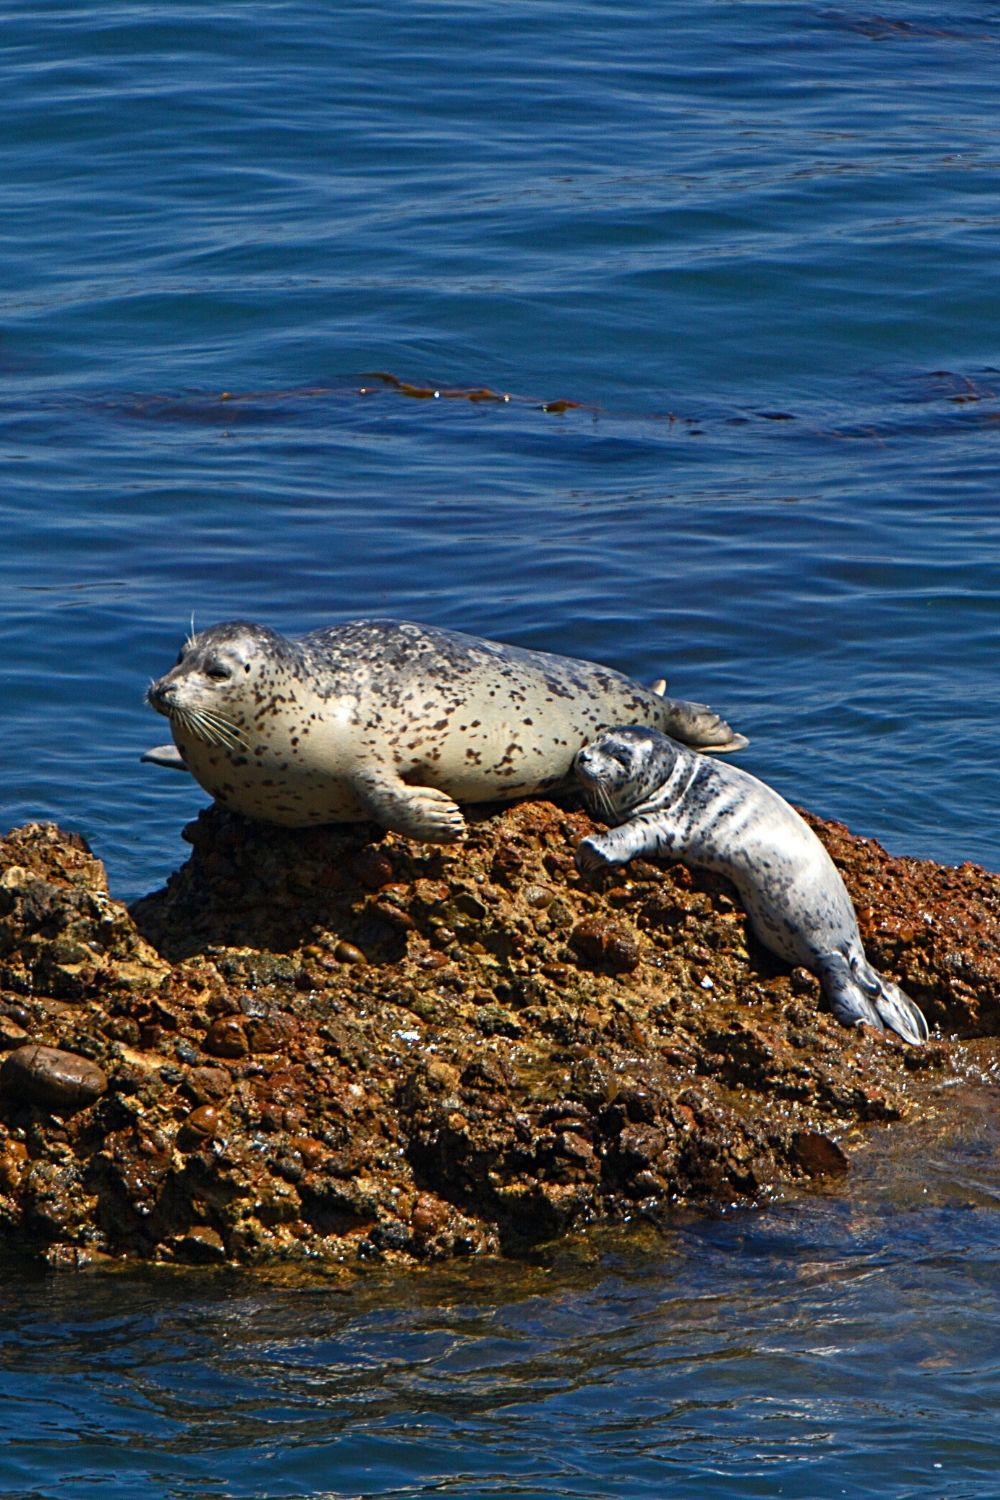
x: 217, y: 669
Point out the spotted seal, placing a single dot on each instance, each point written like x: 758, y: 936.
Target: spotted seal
x: 391, y: 721
x: 671, y: 803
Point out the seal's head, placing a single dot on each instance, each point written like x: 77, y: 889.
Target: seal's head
x: 217, y: 673
x: 623, y: 767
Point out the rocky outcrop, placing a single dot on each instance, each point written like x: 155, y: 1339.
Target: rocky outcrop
x: 334, y: 1045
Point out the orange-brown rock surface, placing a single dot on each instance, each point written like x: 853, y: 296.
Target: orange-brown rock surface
x: 333, y: 1045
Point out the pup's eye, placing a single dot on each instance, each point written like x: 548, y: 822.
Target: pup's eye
x: 217, y: 670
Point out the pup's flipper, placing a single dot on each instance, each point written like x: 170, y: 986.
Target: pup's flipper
x: 858, y: 993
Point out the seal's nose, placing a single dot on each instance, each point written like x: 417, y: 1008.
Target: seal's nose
x: 158, y: 696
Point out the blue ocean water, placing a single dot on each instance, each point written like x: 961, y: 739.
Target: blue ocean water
x: 754, y: 244
x: 830, y: 1348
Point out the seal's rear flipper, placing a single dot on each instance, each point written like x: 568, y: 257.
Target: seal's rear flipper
x: 697, y: 725
x: 857, y: 993
x: 164, y: 755
x: 899, y: 1013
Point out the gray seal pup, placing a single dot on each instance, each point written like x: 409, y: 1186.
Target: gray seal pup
x: 394, y: 722
x: 680, y: 806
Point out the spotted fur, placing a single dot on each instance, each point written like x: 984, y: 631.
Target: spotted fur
x: 393, y: 721
x: 670, y: 803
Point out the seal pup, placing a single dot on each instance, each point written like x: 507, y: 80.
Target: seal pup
x: 394, y: 722
x: 671, y: 803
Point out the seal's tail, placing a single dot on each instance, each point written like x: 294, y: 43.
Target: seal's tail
x: 857, y: 993
x: 695, y: 724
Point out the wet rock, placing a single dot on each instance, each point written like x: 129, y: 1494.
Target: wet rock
x: 13, y: 1159
x: 818, y: 1155
x: 51, y: 1077
x: 433, y: 960
x: 269, y: 1033
x: 60, y: 932
x: 207, y: 1085
x: 226, y: 1038
x: 371, y: 868
x: 200, y: 1246
x: 347, y: 953
x: 12, y: 1035
x: 599, y: 940
x: 428, y: 1215
x: 316, y: 1047
x: 199, y: 1128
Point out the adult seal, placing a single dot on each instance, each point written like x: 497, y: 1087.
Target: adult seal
x: 395, y: 722
x: 680, y: 806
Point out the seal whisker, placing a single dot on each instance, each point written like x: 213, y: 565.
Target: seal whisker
x: 597, y: 796
x: 605, y: 806
x: 226, y: 732
x: 217, y: 730
x: 185, y: 720
x: 189, y: 720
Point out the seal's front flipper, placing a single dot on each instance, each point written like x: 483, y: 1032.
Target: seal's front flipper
x: 697, y: 725
x: 591, y: 856
x: 164, y: 755
x: 858, y: 994
x: 419, y: 812
x: 614, y: 846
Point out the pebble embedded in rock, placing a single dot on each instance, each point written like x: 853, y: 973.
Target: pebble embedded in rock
x: 226, y: 1038
x: 11, y: 1034
x: 206, y: 1084
x: 271, y: 1034
x: 432, y: 960
x: 346, y: 953
x: 199, y: 1127
x: 428, y: 1215
x: 311, y: 1151
x: 600, y: 941
x: 12, y: 1165
x: 51, y: 1077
